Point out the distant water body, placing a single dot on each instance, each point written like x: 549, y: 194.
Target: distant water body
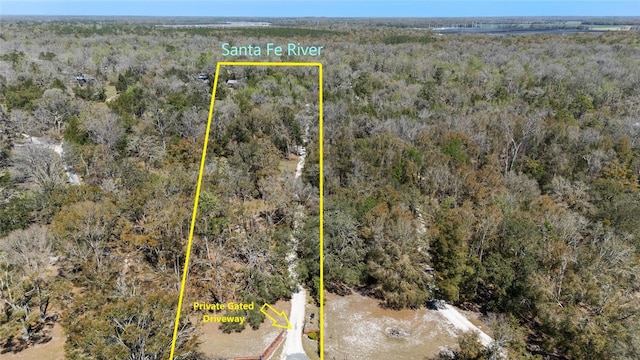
x: 218, y: 25
x: 510, y: 31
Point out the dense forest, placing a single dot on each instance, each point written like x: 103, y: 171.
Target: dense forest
x: 498, y: 173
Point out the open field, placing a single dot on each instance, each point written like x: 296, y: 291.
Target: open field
x: 358, y: 328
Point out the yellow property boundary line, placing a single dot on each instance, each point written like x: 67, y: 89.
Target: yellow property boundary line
x: 197, y: 196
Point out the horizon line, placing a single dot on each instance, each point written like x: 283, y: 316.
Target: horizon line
x: 322, y: 17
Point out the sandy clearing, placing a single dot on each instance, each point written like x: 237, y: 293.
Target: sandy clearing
x: 215, y: 343
x: 51, y: 350
x: 358, y: 328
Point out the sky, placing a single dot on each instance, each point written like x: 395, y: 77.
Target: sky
x: 324, y: 8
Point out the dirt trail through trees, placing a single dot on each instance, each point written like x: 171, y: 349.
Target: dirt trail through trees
x: 293, y: 342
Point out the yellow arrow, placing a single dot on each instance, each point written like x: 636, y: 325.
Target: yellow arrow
x: 279, y: 319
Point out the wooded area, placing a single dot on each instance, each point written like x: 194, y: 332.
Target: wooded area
x: 499, y: 173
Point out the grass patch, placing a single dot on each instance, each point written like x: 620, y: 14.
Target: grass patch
x: 289, y: 166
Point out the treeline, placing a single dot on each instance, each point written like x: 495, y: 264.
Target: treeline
x: 120, y: 237
x: 498, y: 173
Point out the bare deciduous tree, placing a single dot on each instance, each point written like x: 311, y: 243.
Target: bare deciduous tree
x: 29, y: 249
x: 518, y: 134
x: 102, y: 124
x: 43, y: 165
x: 52, y: 109
x: 85, y: 227
x: 25, y: 256
x: 192, y: 123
